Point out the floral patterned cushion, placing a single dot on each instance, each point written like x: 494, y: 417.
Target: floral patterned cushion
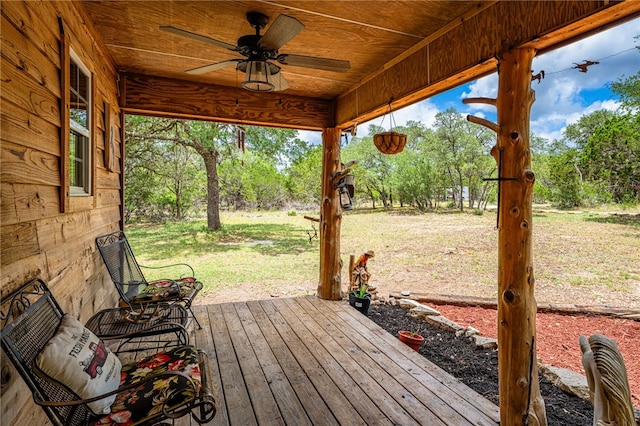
x: 167, y: 289
x: 142, y: 403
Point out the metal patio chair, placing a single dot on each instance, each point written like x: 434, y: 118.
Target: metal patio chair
x: 134, y: 289
x: 166, y: 385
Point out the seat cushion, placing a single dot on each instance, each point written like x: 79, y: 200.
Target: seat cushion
x: 146, y: 401
x: 77, y: 359
x: 159, y: 290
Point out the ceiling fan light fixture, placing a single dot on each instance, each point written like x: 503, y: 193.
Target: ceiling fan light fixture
x: 258, y: 77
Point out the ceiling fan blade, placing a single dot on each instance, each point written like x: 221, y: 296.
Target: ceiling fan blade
x: 314, y: 62
x: 213, y: 67
x: 198, y: 37
x: 283, y: 29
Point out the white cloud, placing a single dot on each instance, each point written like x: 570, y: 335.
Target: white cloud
x: 562, y: 98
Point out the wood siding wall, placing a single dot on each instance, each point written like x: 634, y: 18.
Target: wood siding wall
x: 38, y: 240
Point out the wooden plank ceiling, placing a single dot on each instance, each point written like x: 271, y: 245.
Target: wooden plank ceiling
x: 403, y: 51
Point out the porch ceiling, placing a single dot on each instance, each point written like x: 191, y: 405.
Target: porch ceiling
x: 400, y: 50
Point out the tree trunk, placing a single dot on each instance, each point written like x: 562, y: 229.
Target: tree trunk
x: 330, y: 219
x: 519, y: 389
x: 213, y: 189
x: 178, y: 201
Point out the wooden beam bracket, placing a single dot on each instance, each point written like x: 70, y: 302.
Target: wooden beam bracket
x: 482, y: 121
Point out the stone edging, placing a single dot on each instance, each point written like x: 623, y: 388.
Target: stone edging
x: 556, y: 308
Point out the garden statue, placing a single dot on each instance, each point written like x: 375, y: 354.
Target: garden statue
x: 360, y: 274
x: 608, y: 381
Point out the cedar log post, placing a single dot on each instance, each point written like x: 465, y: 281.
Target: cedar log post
x: 330, y: 218
x: 519, y: 388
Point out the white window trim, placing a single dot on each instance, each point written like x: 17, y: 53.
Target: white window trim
x: 85, y: 131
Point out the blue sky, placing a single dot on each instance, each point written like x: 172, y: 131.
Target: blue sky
x: 562, y: 97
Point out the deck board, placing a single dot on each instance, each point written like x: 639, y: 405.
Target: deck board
x: 307, y: 361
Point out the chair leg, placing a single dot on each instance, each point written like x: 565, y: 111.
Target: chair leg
x: 193, y: 315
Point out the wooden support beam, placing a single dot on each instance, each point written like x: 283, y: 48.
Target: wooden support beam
x: 330, y: 218
x: 520, y: 399
x: 157, y: 96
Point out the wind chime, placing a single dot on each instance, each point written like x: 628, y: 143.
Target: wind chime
x: 240, y: 135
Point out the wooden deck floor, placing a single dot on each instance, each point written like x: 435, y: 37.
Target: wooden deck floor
x: 307, y: 361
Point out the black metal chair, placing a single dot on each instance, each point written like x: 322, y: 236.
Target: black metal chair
x: 166, y: 385
x: 133, y: 287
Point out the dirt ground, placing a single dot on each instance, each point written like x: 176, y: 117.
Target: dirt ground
x: 577, y: 258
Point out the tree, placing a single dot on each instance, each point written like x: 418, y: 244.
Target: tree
x: 217, y: 143
x: 208, y: 139
x: 463, y: 154
x: 160, y: 175
x: 264, y: 184
x: 611, y: 157
x: 566, y: 181
x: 577, y: 135
x: 628, y: 88
x: 416, y: 180
x: 303, y: 177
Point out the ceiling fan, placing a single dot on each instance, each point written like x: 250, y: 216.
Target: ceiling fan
x: 261, y: 54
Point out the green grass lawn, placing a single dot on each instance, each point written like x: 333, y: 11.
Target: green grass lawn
x: 578, y: 258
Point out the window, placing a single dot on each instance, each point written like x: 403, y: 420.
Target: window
x: 79, y: 128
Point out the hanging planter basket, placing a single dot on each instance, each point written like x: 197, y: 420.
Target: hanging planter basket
x: 390, y: 142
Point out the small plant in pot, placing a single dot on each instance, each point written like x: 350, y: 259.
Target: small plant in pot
x: 360, y: 298
x: 411, y: 338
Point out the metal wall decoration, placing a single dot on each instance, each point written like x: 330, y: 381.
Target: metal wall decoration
x: 109, y: 140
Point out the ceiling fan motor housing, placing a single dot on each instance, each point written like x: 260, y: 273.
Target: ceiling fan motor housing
x: 248, y: 45
x: 257, y: 20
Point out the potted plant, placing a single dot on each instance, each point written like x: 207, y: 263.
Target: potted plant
x: 360, y: 298
x: 411, y: 338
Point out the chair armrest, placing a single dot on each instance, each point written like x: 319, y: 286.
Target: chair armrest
x: 177, y: 328
x: 131, y: 283
x: 169, y: 266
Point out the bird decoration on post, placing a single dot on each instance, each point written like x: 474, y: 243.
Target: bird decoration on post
x: 539, y: 76
x: 583, y: 66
